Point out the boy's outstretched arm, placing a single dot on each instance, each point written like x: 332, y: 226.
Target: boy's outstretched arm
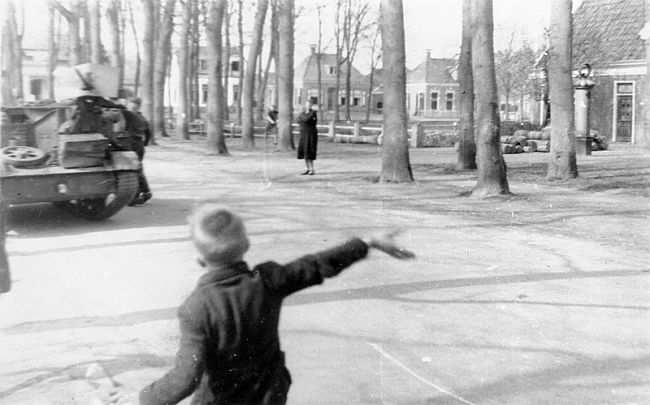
x: 313, y: 269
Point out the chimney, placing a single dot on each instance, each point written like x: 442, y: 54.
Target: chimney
x: 428, y: 54
x: 313, y: 49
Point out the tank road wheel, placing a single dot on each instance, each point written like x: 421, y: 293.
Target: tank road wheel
x: 23, y: 156
x: 102, y: 208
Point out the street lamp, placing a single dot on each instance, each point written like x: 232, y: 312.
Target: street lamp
x: 582, y: 94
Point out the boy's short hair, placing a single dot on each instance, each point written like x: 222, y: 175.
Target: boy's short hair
x: 218, y: 234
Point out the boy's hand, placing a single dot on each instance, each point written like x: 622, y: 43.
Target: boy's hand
x: 386, y: 243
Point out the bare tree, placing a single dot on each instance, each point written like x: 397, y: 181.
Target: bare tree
x: 73, y: 18
x: 138, y: 58
x: 113, y: 9
x: 285, y: 74
x: 5, y: 274
x: 226, y: 62
x: 375, y: 56
x: 513, y: 64
x: 338, y: 36
x: 319, y: 55
x: 466, y: 139
x: 95, y: 29
x: 273, y: 51
x: 395, y: 166
x: 148, y: 55
x: 562, y: 162
x: 53, y: 51
x: 240, y: 32
x: 161, y: 63
x: 353, y: 30
x: 182, y: 112
x: 491, y: 173
x: 248, y: 89
x: 12, y: 84
x: 215, y: 137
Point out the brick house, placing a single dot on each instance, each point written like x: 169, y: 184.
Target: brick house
x: 306, y: 83
x: 607, y: 36
x: 432, y: 89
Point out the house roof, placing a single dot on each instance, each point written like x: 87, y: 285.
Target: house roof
x: 607, y: 31
x: 307, y: 70
x: 433, y: 70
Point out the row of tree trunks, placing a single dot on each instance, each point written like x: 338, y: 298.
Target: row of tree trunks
x: 285, y: 74
x: 215, y: 136
x: 466, y: 142
x: 248, y: 90
x: 562, y: 159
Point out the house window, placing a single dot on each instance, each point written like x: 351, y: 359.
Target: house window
x: 204, y: 91
x: 234, y: 66
x: 342, y: 101
x: 355, y: 101
x: 203, y: 64
x: 624, y: 88
x: 313, y: 100
x: 449, y: 101
x: 420, y: 103
x: 332, y: 70
x: 434, y: 100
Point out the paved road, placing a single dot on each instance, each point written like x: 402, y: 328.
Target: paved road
x: 540, y: 298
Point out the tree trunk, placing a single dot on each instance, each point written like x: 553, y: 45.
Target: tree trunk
x: 5, y: 275
x: 248, y: 90
x: 240, y: 31
x: 215, y: 136
x: 562, y: 162
x: 466, y: 139
x: 319, y: 55
x: 148, y: 55
x: 52, y: 52
x: 194, y: 63
x: 8, y: 56
x: 259, y: 89
x: 395, y: 157
x: 491, y: 173
x: 182, y: 110
x: 161, y: 65
x: 339, y: 51
x: 272, y: 54
x: 226, y: 67
x: 95, y: 29
x: 138, y: 59
x: 285, y: 74
x: 113, y: 17
x: 74, y: 42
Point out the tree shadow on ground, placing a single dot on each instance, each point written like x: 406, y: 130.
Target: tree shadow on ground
x: 382, y: 292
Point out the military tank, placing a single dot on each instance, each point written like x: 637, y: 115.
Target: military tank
x: 72, y: 153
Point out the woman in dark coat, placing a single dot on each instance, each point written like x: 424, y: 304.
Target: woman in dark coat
x: 308, y: 137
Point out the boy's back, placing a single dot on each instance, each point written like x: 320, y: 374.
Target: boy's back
x: 229, y: 330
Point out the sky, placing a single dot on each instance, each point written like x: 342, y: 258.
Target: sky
x: 433, y: 25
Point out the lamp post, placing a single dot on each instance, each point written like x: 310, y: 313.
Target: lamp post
x: 582, y: 95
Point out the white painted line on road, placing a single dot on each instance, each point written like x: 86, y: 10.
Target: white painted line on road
x: 429, y: 383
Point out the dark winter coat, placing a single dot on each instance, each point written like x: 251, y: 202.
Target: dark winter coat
x: 308, y: 143
x: 230, y: 347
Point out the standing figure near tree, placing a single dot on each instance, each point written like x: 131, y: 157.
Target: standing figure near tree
x: 308, y: 143
x: 271, y: 124
x: 139, y: 134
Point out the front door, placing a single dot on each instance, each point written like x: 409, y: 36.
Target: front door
x: 624, y: 118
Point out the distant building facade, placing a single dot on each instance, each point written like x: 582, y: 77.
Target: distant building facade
x: 306, y: 83
x: 432, y: 89
x: 607, y: 36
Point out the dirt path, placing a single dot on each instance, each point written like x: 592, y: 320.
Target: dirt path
x: 539, y: 297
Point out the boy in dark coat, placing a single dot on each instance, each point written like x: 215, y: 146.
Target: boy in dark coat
x: 229, y: 347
